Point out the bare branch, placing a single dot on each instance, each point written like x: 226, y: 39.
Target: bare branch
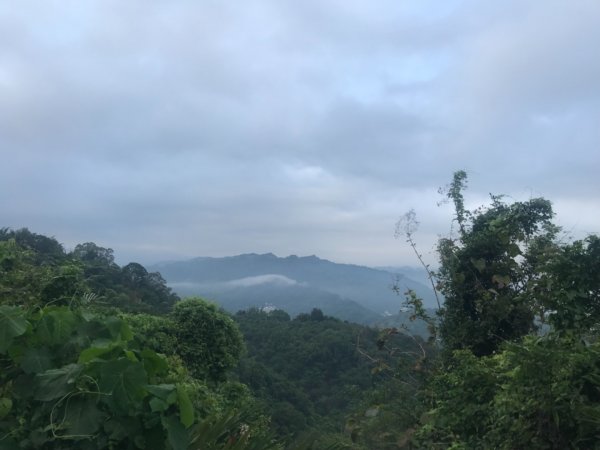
x: 406, y: 227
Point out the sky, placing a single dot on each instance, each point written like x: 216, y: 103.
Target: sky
x: 173, y: 129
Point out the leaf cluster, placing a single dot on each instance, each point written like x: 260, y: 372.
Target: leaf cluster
x: 540, y: 393
x: 519, y: 333
x: 69, y: 377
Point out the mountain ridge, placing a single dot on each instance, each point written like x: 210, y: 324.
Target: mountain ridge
x: 365, y: 290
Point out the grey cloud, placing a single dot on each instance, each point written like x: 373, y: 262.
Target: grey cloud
x: 205, y: 128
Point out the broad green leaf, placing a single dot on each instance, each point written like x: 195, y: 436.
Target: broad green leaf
x: 124, y: 380
x: 55, y: 383
x: 82, y: 416
x: 12, y: 324
x: 56, y: 326
x: 126, y: 333
x: 186, y: 409
x: 153, y: 362
x: 18, y: 349
x: 158, y: 405
x: 130, y: 355
x: 177, y: 435
x: 89, y: 331
x: 162, y: 391
x: 36, y: 360
x: 95, y: 352
x: 118, y: 328
x: 64, y: 324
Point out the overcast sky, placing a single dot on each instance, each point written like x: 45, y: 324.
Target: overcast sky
x: 173, y: 129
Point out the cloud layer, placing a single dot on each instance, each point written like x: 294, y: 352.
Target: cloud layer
x: 178, y: 129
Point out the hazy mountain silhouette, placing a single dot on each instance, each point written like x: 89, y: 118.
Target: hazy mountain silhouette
x: 295, y: 284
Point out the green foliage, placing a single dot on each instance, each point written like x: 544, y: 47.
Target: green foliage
x: 93, y: 255
x: 46, y: 250
x: 73, y: 374
x: 570, y: 286
x: 551, y: 386
x: 70, y: 378
x: 208, y: 340
x: 311, y: 373
x: 35, y: 271
x: 154, y: 332
x: 12, y: 324
x: 28, y: 278
x: 486, y: 274
x: 230, y: 432
x: 541, y: 393
x: 73, y: 378
x: 147, y: 290
x: 130, y: 288
x: 386, y: 415
x: 302, y: 369
x: 501, y: 385
x: 455, y: 193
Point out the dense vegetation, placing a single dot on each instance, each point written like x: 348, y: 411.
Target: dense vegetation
x: 79, y: 369
x: 308, y: 372
x: 93, y: 355
x: 520, y: 364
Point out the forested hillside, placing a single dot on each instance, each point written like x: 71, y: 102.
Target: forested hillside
x: 314, y: 372
x: 94, y: 355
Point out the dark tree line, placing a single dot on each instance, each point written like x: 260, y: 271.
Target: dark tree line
x: 60, y: 276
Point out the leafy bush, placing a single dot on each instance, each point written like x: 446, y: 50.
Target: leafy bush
x: 208, y: 340
x: 541, y: 393
x: 70, y: 378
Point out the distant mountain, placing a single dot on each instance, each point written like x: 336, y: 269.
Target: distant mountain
x: 295, y: 284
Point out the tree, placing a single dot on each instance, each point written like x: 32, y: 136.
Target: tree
x: 570, y: 287
x: 28, y: 276
x: 316, y: 314
x: 501, y: 384
x: 209, y: 342
x: 134, y: 274
x: 94, y: 255
x: 486, y: 274
x: 46, y: 249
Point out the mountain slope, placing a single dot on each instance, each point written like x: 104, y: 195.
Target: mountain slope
x: 297, y: 282
x: 292, y: 298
